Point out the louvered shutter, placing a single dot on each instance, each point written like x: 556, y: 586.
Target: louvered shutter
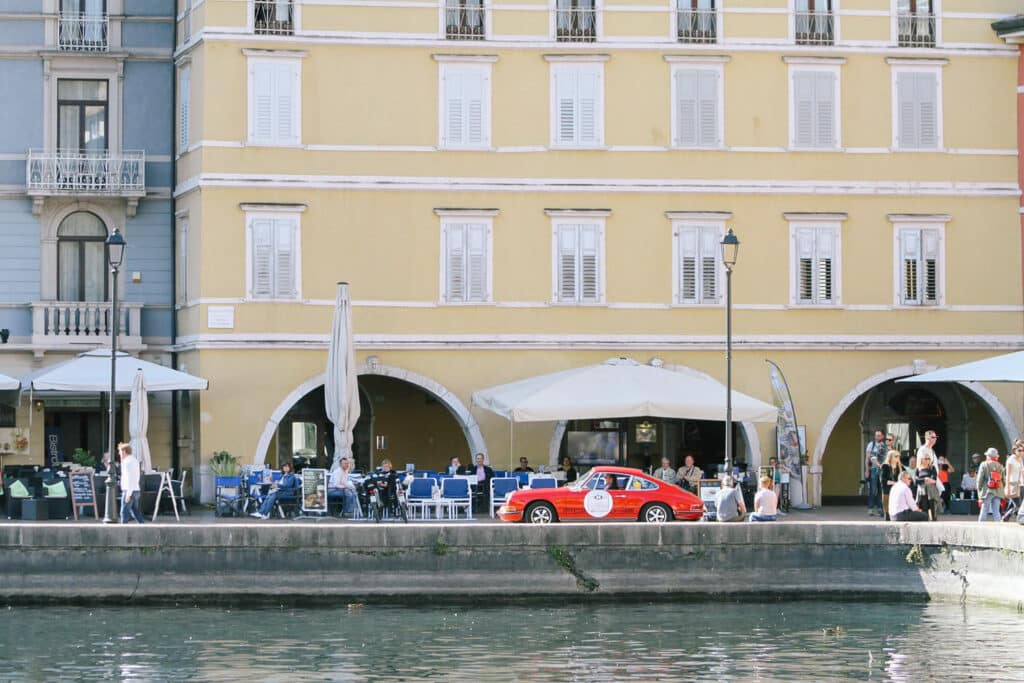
x: 709, y: 247
x: 284, y: 257
x: 262, y: 103
x: 565, y: 109
x: 709, y: 84
x: 590, y: 263
x: 687, y: 107
x: 184, y: 103
x: 688, y: 254
x: 926, y: 96
x: 475, y: 90
x: 589, y: 107
x: 183, y: 261
x: 456, y: 262
x: 567, y: 257
x: 930, y: 266
x: 476, y: 266
x: 803, y: 109
x: 285, y: 79
x: 910, y: 248
x: 805, y: 265
x: 454, y: 107
x: 825, y: 109
x: 262, y: 258
x: 824, y: 253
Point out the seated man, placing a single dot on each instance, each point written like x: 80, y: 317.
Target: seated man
x: 666, y: 472
x: 453, y: 465
x: 341, y: 486
x: 729, y: 502
x: 902, y: 507
x: 524, y: 466
x: 287, y: 485
x: 689, y: 475
x: 765, y: 502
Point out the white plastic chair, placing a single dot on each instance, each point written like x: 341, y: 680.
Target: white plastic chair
x: 455, y: 493
x: 420, y: 496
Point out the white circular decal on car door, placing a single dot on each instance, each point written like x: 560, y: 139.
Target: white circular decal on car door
x: 598, y: 503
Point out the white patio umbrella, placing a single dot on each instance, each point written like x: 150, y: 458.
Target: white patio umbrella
x: 9, y: 383
x: 619, y: 387
x: 90, y: 372
x: 138, y: 422
x: 1006, y: 368
x: 341, y: 391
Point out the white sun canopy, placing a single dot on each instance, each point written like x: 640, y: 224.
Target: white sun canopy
x: 619, y: 387
x: 1006, y: 368
x: 90, y: 372
x: 8, y: 383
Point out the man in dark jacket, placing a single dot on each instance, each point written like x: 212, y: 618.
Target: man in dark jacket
x: 484, y: 474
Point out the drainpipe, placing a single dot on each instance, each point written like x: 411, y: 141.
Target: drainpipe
x: 175, y: 455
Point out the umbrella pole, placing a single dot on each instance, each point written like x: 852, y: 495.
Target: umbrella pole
x: 511, y: 442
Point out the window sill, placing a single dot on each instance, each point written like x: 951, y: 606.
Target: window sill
x: 253, y: 300
x: 816, y: 307
x: 578, y: 148
x: 289, y: 145
x: 794, y: 148
x: 577, y: 304
x: 465, y: 304
x: 708, y: 148
x: 677, y: 304
x: 468, y: 148
x: 912, y: 150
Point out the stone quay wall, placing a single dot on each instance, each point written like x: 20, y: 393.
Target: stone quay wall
x: 326, y: 562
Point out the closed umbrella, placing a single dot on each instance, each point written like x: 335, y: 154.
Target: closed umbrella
x: 341, y: 391
x: 138, y: 422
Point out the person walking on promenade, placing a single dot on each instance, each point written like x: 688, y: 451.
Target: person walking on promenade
x: 890, y: 474
x: 875, y: 487
x: 990, y: 486
x: 729, y: 504
x: 945, y: 469
x: 1014, y: 464
x: 765, y: 502
x: 902, y: 507
x: 131, y: 489
x: 666, y: 472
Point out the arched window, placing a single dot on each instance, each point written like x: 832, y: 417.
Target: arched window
x: 82, y: 258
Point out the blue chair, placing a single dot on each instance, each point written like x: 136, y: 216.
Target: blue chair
x: 501, y: 488
x: 228, y: 496
x: 500, y: 474
x: 544, y: 483
x: 455, y: 493
x: 421, y: 495
x: 523, y: 477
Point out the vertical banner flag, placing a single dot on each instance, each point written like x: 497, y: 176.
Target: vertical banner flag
x: 791, y: 449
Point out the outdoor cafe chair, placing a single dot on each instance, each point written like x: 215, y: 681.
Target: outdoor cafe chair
x: 501, y: 488
x: 228, y: 496
x: 455, y: 494
x: 543, y: 483
x: 421, y: 496
x: 522, y: 477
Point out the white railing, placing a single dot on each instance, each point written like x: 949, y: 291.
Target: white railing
x: 84, y: 322
x: 82, y: 32
x: 696, y: 25
x: 576, y: 24
x: 90, y: 173
x: 814, y: 28
x: 464, y: 23
x: 273, y: 17
x: 916, y: 30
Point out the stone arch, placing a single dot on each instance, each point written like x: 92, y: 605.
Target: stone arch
x: 469, y: 426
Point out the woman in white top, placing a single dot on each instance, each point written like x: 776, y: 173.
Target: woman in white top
x: 765, y: 502
x: 1014, y: 470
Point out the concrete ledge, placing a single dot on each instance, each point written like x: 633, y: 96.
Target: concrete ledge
x: 343, y: 562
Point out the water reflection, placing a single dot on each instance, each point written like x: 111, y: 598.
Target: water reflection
x: 878, y: 641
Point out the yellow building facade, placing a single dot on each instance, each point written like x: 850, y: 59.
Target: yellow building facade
x: 515, y: 188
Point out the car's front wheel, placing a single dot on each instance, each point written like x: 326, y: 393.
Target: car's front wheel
x: 540, y: 513
x: 655, y: 513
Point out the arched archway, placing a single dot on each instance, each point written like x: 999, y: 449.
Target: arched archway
x: 458, y: 410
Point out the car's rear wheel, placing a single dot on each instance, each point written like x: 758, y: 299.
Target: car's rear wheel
x: 540, y: 513
x: 655, y: 513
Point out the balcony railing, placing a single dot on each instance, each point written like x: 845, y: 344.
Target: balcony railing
x: 65, y: 172
x: 464, y: 23
x: 814, y: 28
x: 56, y: 323
x: 916, y: 30
x: 273, y: 17
x: 82, y: 32
x: 697, y: 25
x: 576, y: 24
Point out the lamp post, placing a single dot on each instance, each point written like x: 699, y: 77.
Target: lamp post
x: 115, y: 256
x: 730, y: 250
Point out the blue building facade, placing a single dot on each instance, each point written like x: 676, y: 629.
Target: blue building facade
x: 86, y: 146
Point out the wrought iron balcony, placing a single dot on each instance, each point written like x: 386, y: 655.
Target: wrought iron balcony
x: 576, y: 24
x: 464, y: 22
x: 814, y: 28
x: 78, y: 32
x: 697, y: 25
x: 60, y: 323
x: 274, y: 17
x: 66, y: 172
x: 916, y: 30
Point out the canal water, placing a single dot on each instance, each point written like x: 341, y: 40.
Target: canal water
x: 897, y: 640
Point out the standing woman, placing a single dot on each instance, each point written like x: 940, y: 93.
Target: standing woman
x: 890, y: 475
x: 927, y: 476
x: 1014, y: 472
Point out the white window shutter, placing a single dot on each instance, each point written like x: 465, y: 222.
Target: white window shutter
x: 184, y: 104
x: 567, y: 259
x: 565, y: 100
x: 285, y: 80
x: 456, y: 262
x: 262, y: 258
x: 803, y: 109
x: 688, y: 254
x: 183, y: 261
x: 454, y: 107
x: 476, y: 270
x: 910, y: 249
x: 926, y: 96
x: 262, y: 102
x: 687, y: 115
x: 825, y: 109
x: 589, y: 107
x: 590, y: 264
x: 825, y: 249
x: 284, y: 280
x: 708, y: 97
x: 709, y: 248
x: 930, y: 266
x: 474, y: 91
x: 805, y: 265
x: 907, y: 129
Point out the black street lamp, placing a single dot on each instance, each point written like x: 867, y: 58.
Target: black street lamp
x: 115, y: 256
x: 730, y: 251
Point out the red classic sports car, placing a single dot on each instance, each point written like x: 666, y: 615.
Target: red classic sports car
x: 612, y: 493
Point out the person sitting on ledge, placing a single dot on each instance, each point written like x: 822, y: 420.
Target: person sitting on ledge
x: 288, y: 483
x: 729, y: 503
x: 765, y: 502
x: 902, y: 507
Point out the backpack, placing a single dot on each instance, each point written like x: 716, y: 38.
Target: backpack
x: 994, y: 479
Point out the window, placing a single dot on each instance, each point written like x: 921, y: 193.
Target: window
x: 82, y: 25
x: 579, y: 261
x: 275, y: 94
x: 183, y: 290
x: 919, y: 265
x: 466, y: 260
x: 697, y: 262
x: 578, y: 102
x: 186, y: 21
x: 82, y: 258
x: 576, y: 21
x: 917, y: 112
x: 814, y: 264
x: 273, y: 256
x: 697, y: 93
x: 184, y: 107
x: 82, y: 110
x: 915, y: 23
x: 273, y: 17
x: 466, y: 105
x: 465, y: 20
x: 696, y: 21
x: 814, y: 107
x: 814, y: 22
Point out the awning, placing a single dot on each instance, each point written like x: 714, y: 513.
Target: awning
x: 1006, y: 368
x: 9, y: 383
x: 619, y: 387
x: 90, y: 372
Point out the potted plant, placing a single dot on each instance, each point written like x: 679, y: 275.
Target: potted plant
x: 223, y: 464
x: 83, y: 457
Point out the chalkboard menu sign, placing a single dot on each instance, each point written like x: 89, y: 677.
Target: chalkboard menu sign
x: 83, y: 493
